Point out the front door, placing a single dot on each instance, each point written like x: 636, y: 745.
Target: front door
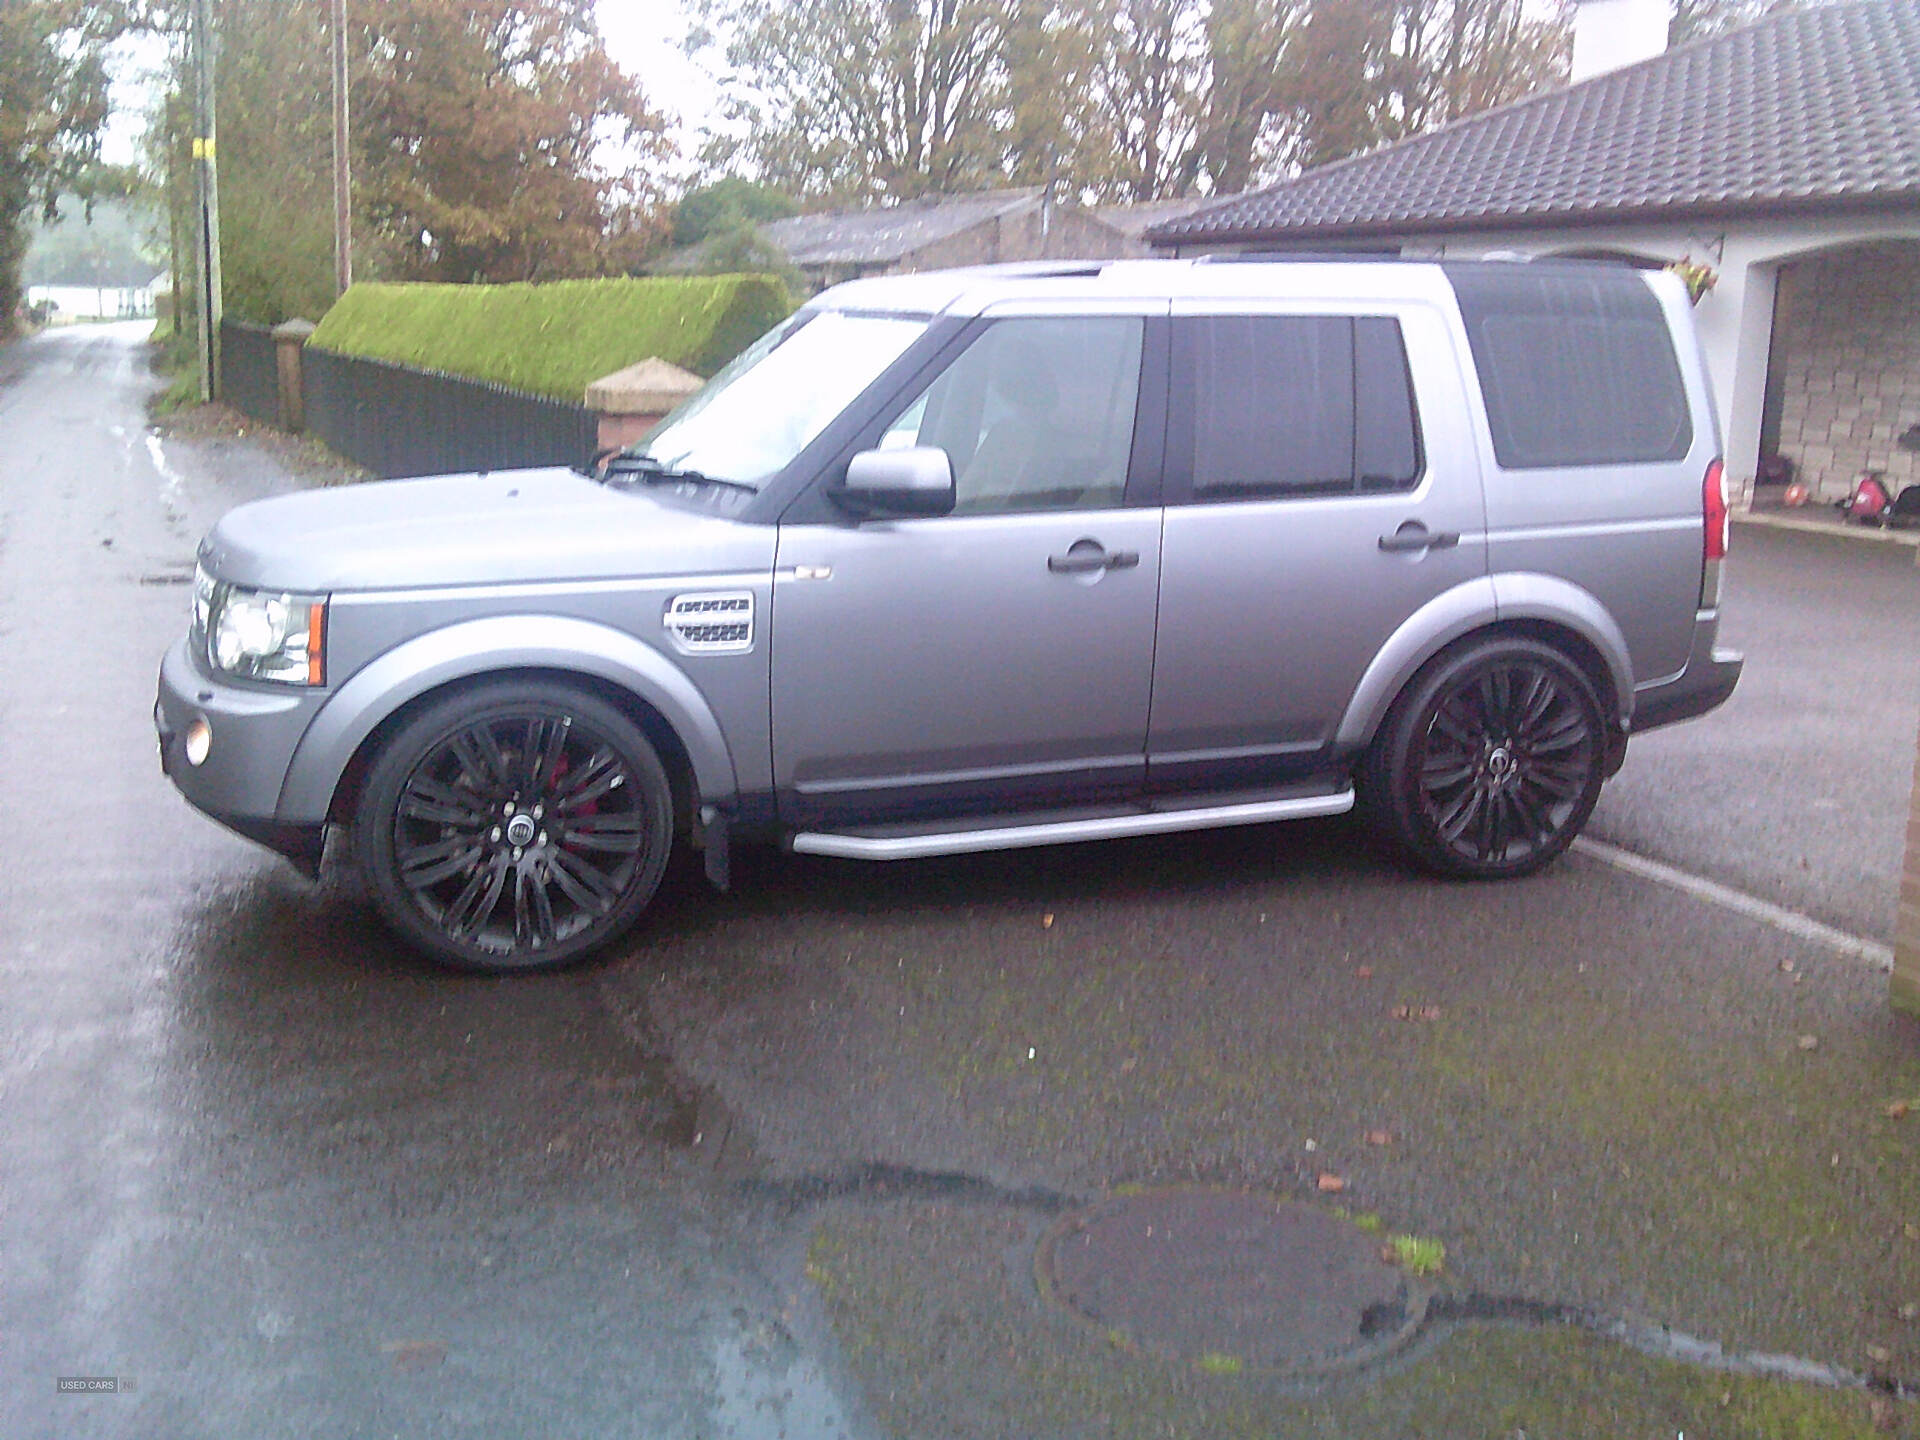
x: 999, y: 657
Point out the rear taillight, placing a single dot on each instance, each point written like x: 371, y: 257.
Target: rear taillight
x: 1715, y: 521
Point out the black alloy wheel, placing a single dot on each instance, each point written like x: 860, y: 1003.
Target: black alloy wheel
x: 515, y: 827
x: 1491, y: 761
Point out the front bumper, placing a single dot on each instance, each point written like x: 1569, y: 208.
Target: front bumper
x: 255, y: 731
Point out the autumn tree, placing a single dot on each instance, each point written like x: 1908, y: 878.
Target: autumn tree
x: 491, y: 141
x: 498, y: 140
x: 1368, y: 72
x: 867, y: 99
x: 1698, y: 19
x: 53, y: 105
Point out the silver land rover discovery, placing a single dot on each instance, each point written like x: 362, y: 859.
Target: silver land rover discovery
x: 995, y: 558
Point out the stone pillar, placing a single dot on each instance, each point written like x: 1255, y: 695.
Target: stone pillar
x: 631, y: 402
x: 1906, y: 929
x: 289, y: 338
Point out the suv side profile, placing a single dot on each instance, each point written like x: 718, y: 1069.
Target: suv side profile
x: 987, y: 559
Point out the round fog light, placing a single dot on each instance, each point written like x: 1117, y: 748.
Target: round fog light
x: 199, y: 740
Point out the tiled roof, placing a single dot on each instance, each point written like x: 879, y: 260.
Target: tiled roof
x: 862, y: 237
x: 1805, y: 110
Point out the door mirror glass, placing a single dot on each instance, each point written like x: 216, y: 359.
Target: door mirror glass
x: 906, y: 480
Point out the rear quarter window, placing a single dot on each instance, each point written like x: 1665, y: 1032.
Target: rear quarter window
x: 1576, y: 368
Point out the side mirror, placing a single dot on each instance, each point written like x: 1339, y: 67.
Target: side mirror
x: 898, y: 483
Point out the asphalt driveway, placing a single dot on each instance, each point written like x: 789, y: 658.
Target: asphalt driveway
x: 784, y: 1164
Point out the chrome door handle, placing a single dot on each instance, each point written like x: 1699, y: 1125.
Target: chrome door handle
x: 1412, y: 535
x: 1084, y: 562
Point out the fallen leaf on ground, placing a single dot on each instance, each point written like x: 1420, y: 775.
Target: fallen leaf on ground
x: 1330, y: 1184
x: 1129, y: 1065
x: 1786, y: 967
x: 1808, y: 1042
x: 1913, y: 1232
x: 1379, y: 1137
x: 414, y: 1354
x: 1416, y: 1012
x: 1046, y: 921
x: 1879, y: 1354
x: 1898, y: 1109
x: 1910, y: 1311
x: 1365, y: 972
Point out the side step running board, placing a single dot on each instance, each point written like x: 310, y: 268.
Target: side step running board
x: 1063, y: 832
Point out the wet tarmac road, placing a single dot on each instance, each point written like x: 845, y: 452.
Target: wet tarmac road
x: 258, y: 1160
x: 290, y: 1181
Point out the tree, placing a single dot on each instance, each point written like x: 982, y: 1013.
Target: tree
x: 1367, y: 73
x: 484, y: 130
x: 273, y: 79
x: 53, y: 103
x: 1698, y: 19
x: 728, y: 204
x: 113, y: 248
x: 867, y: 99
x: 491, y: 141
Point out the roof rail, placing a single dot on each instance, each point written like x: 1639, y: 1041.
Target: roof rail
x: 1307, y: 257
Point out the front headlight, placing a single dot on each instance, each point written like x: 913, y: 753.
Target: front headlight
x: 263, y: 634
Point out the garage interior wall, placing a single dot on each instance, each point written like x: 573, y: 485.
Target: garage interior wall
x: 1847, y: 352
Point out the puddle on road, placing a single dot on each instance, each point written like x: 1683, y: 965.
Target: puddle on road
x: 305, y: 1020
x: 767, y: 1390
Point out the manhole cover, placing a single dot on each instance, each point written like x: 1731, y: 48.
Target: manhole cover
x: 1231, y: 1280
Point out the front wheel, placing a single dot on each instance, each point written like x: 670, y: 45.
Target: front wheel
x: 514, y: 826
x: 1491, y: 761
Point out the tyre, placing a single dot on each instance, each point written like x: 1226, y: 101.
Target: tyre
x: 1490, y: 761
x: 514, y: 826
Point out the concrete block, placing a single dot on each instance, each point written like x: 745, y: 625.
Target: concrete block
x: 651, y: 387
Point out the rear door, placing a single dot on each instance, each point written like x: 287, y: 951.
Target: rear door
x: 1322, y: 486
x: 1597, y: 463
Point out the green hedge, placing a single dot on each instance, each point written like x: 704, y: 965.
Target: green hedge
x: 555, y: 339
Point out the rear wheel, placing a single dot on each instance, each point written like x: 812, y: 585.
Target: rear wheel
x: 515, y: 826
x: 1491, y: 760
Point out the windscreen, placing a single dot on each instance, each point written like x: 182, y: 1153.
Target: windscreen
x: 759, y: 412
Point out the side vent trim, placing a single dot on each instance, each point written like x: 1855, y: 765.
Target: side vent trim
x: 711, y: 622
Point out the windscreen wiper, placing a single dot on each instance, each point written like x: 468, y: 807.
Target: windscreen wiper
x: 649, y: 471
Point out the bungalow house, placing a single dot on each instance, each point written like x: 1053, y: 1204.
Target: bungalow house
x: 982, y: 228
x: 1783, y: 159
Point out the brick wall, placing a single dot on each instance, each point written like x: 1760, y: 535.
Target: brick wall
x: 1847, y: 339
x: 1906, y: 930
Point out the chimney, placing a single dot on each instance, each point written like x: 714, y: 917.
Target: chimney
x: 1608, y: 34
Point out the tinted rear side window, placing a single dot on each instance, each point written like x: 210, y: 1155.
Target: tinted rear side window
x: 1282, y: 405
x: 1577, y: 367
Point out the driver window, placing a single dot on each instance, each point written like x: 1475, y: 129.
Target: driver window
x: 1035, y: 414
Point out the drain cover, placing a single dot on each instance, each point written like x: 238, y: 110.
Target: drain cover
x: 1230, y: 1279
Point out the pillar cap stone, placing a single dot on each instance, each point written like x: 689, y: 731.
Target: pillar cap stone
x: 294, y: 330
x: 651, y: 387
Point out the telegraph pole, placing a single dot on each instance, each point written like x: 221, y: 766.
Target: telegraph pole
x: 342, y: 180
x: 204, y: 131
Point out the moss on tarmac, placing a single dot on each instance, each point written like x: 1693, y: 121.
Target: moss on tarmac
x: 1592, y: 1091
x: 948, y: 1339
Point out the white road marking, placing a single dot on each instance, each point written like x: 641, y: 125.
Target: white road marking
x: 170, y: 482
x: 1792, y: 921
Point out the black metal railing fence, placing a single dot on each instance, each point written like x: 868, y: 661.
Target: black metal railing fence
x: 249, y: 374
x: 396, y: 421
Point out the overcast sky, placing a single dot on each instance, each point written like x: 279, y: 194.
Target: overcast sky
x: 644, y: 36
